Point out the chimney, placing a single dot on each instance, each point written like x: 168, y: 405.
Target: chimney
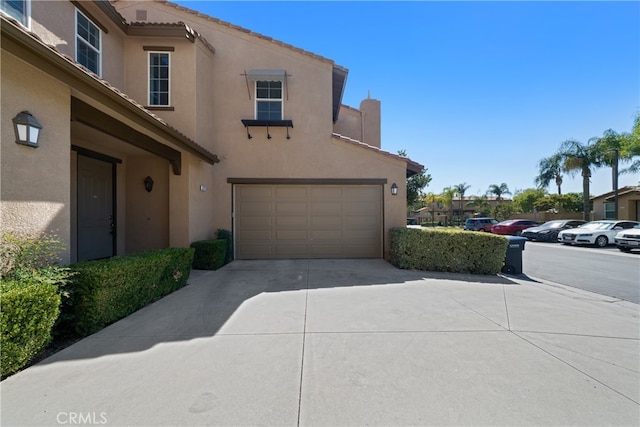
x: 370, y: 110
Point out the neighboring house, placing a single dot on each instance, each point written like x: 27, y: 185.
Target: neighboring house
x: 438, y: 213
x: 161, y: 125
x: 628, y: 204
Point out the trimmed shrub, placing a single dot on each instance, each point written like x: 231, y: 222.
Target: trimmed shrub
x: 104, y: 291
x: 228, y: 236
x: 448, y: 250
x: 209, y: 254
x: 29, y: 311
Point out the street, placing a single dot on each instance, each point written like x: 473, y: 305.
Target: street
x: 605, y: 271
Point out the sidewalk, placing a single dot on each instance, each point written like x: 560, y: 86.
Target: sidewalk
x: 346, y: 342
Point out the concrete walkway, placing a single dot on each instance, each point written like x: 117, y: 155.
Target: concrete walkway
x: 352, y: 342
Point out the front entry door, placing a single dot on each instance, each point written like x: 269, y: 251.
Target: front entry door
x: 96, y: 214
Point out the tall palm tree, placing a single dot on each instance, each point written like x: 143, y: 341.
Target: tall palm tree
x: 578, y: 157
x: 550, y: 170
x: 461, y: 189
x: 498, y: 190
x: 447, y: 197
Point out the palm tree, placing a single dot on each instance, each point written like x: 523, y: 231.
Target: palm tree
x: 480, y: 204
x: 550, y: 169
x: 461, y: 189
x: 498, y: 190
x: 447, y: 197
x: 431, y: 200
x: 630, y: 148
x: 577, y: 156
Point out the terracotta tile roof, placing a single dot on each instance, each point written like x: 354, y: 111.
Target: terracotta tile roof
x: 6, y: 20
x: 193, y: 33
x: 412, y: 166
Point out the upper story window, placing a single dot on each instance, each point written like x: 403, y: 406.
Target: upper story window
x: 17, y: 9
x: 88, y: 43
x: 159, y: 68
x: 268, y: 100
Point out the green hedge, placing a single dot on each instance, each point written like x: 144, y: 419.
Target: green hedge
x: 221, y: 233
x: 447, y: 250
x: 209, y: 254
x: 28, y: 314
x: 108, y: 290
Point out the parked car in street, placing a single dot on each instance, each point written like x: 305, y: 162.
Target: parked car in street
x: 599, y: 233
x: 548, y: 232
x: 626, y: 240
x: 513, y: 227
x: 480, y: 224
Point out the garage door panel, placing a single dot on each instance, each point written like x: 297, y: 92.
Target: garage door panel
x: 324, y: 235
x: 299, y: 235
x: 367, y: 222
x: 292, y: 221
x: 326, y: 221
x: 290, y: 192
x: 255, y: 236
x: 308, y: 221
x: 325, y: 207
x: 288, y: 208
x: 326, y: 192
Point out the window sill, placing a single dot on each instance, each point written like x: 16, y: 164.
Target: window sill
x: 159, y: 108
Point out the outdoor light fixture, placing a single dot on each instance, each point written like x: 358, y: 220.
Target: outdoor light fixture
x: 394, y: 189
x: 27, y: 129
x: 148, y: 184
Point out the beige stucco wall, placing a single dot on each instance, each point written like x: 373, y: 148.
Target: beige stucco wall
x: 311, y: 152
x: 35, y: 183
x: 147, y: 215
x: 54, y: 22
x: 189, y: 63
x: 349, y: 123
x: 628, y: 207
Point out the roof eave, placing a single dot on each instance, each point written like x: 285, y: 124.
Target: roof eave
x: 28, y: 48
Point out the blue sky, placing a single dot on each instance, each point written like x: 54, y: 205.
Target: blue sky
x: 477, y: 92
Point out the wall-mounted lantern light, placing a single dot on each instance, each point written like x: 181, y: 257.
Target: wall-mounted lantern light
x: 394, y: 189
x: 27, y: 129
x: 148, y: 184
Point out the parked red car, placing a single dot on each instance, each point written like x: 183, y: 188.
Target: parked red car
x: 513, y: 227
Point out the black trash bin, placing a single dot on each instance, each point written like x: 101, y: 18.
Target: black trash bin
x: 513, y: 258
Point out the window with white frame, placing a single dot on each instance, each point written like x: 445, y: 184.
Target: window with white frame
x: 159, y: 68
x: 268, y: 100
x: 610, y: 210
x: 88, y: 43
x: 17, y: 9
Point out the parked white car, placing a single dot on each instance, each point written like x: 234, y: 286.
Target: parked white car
x: 599, y: 233
x: 626, y: 240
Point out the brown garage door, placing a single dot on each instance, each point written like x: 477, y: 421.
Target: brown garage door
x: 308, y: 221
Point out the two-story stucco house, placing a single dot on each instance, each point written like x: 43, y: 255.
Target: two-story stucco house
x: 159, y: 125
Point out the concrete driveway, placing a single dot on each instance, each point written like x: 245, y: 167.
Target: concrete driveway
x: 346, y: 342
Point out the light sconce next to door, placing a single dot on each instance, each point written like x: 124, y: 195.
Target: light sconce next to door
x: 27, y: 129
x: 148, y: 184
x: 394, y: 189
